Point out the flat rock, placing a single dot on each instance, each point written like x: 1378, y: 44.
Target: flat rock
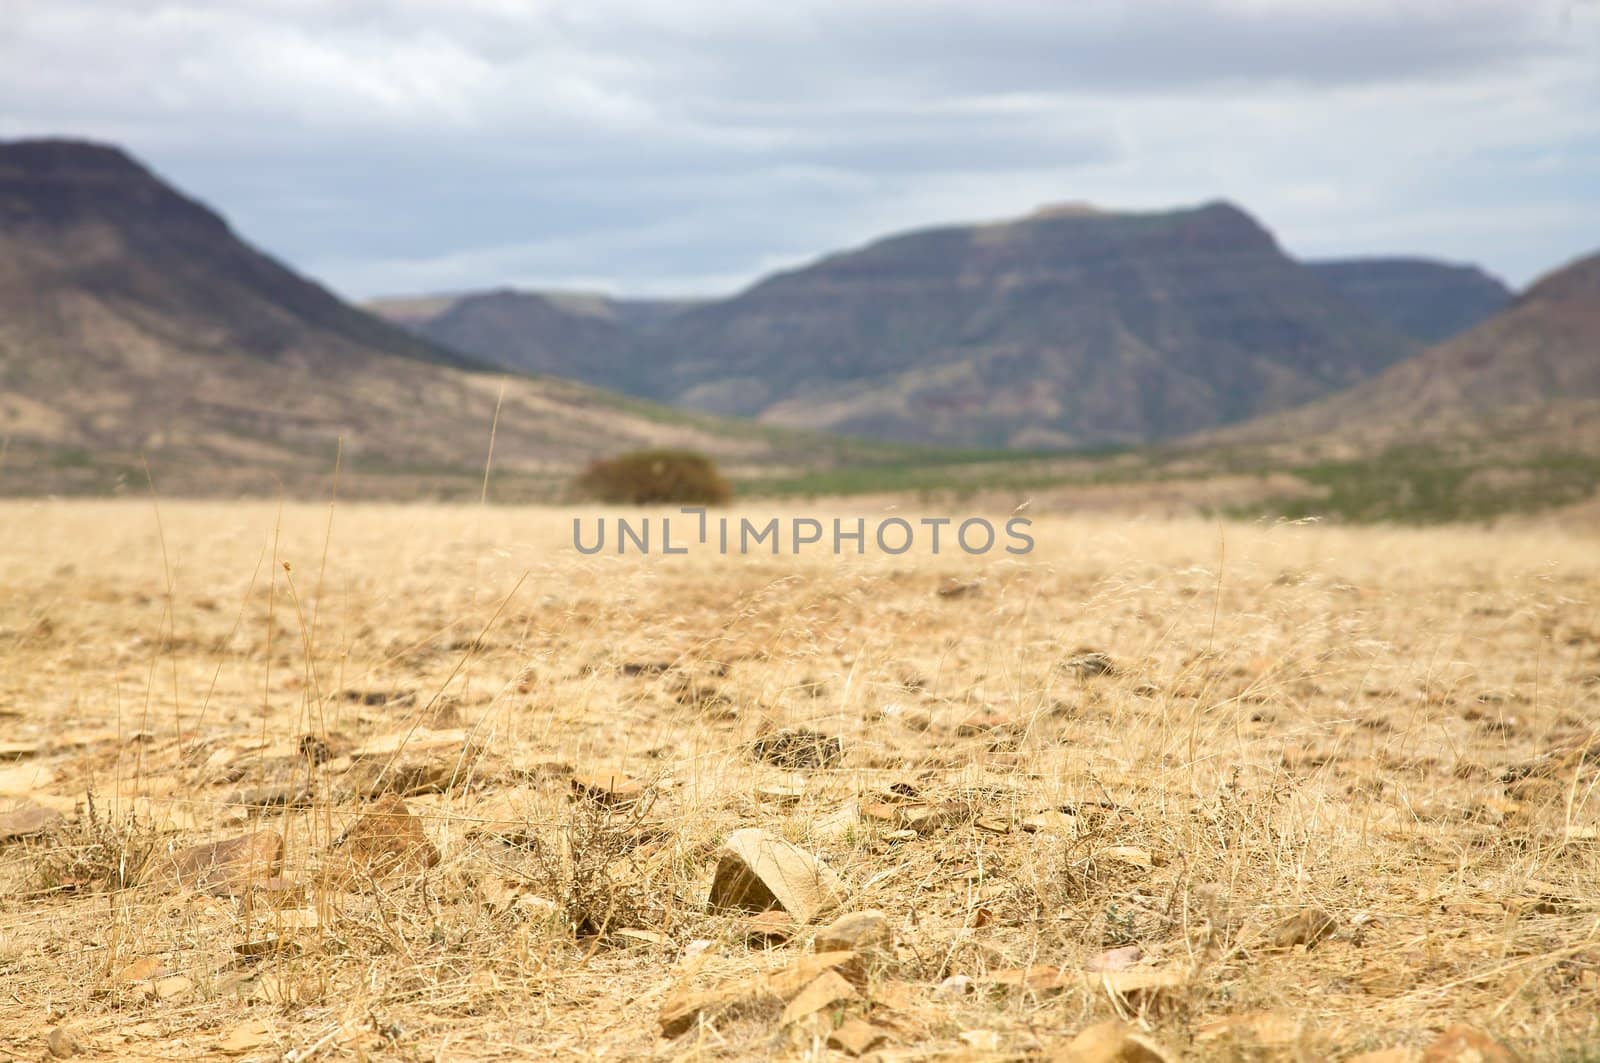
x: 386, y: 842
x: 866, y: 932
x: 1465, y: 1044
x: 824, y: 991
x: 1111, y: 1042
x: 768, y: 928
x: 27, y: 820
x: 226, y: 868
x: 856, y: 1037
x: 608, y: 787
x: 681, y: 1010
x: 759, y: 871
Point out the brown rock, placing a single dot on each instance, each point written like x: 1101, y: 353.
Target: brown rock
x: 758, y: 871
x: 27, y: 820
x: 63, y: 1043
x: 414, y: 761
x: 683, y: 1009
x: 1464, y: 1044
x: 226, y: 868
x: 766, y: 929
x: 1306, y: 927
x: 799, y: 747
x: 856, y: 1037
x: 608, y: 787
x: 1111, y: 1042
x: 1040, y: 978
x: 785, y: 982
x: 867, y: 932
x: 387, y: 841
x: 824, y: 991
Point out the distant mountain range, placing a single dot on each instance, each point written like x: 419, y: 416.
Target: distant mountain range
x: 135, y: 324
x: 1528, y: 377
x: 1427, y: 300
x: 133, y: 321
x: 1069, y: 327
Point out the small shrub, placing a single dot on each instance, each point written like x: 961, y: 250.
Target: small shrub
x: 646, y: 477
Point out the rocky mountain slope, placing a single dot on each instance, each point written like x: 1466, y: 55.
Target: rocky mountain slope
x: 1429, y: 301
x: 1534, y: 366
x: 133, y: 321
x: 1069, y: 327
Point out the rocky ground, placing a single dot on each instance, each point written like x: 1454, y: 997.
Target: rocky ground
x: 426, y: 783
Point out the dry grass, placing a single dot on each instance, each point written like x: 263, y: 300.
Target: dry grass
x: 1390, y: 726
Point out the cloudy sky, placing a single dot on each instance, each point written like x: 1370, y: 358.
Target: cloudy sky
x: 687, y: 146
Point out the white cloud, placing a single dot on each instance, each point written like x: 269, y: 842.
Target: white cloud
x: 429, y: 144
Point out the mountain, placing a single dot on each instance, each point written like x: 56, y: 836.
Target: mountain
x: 134, y: 321
x: 1530, y: 368
x: 1069, y: 327
x: 588, y: 337
x: 1427, y: 300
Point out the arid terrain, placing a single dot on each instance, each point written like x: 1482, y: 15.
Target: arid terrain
x: 1271, y: 791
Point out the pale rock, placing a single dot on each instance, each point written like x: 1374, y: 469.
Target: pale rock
x: 758, y: 871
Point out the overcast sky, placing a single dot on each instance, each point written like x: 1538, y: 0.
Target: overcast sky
x: 688, y: 146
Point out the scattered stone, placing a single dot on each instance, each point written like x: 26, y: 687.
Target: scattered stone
x: 1464, y: 1044
x: 837, y: 825
x: 1306, y: 927
x: 246, y: 1037
x: 1054, y: 822
x: 28, y: 820
x: 957, y: 985
x: 956, y: 588
x: 1112, y: 1042
x: 783, y: 792
x: 272, y: 795
x: 1091, y: 663
x: 1039, y: 978
x: 608, y: 788
x: 857, y: 1037
x: 226, y: 868
x: 171, y: 987
x: 1131, y: 855
x: 867, y: 932
x: 758, y: 871
x: 1139, y: 984
x: 141, y: 970
x: 799, y: 748
x: 683, y: 1009
x: 990, y: 725
x: 387, y: 841
x: 990, y: 825
x: 766, y: 929
x: 826, y: 990
x: 785, y: 982
x: 63, y: 1043
x: 411, y: 762
x: 1115, y: 959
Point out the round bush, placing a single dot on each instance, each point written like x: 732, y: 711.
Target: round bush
x: 648, y: 477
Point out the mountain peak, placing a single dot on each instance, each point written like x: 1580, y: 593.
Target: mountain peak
x: 61, y: 182
x: 1577, y: 281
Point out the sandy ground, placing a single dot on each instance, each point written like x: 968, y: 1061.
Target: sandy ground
x: 1391, y: 727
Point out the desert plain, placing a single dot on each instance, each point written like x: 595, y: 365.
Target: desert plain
x: 1251, y: 791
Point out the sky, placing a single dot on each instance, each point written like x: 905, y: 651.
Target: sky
x: 686, y: 147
